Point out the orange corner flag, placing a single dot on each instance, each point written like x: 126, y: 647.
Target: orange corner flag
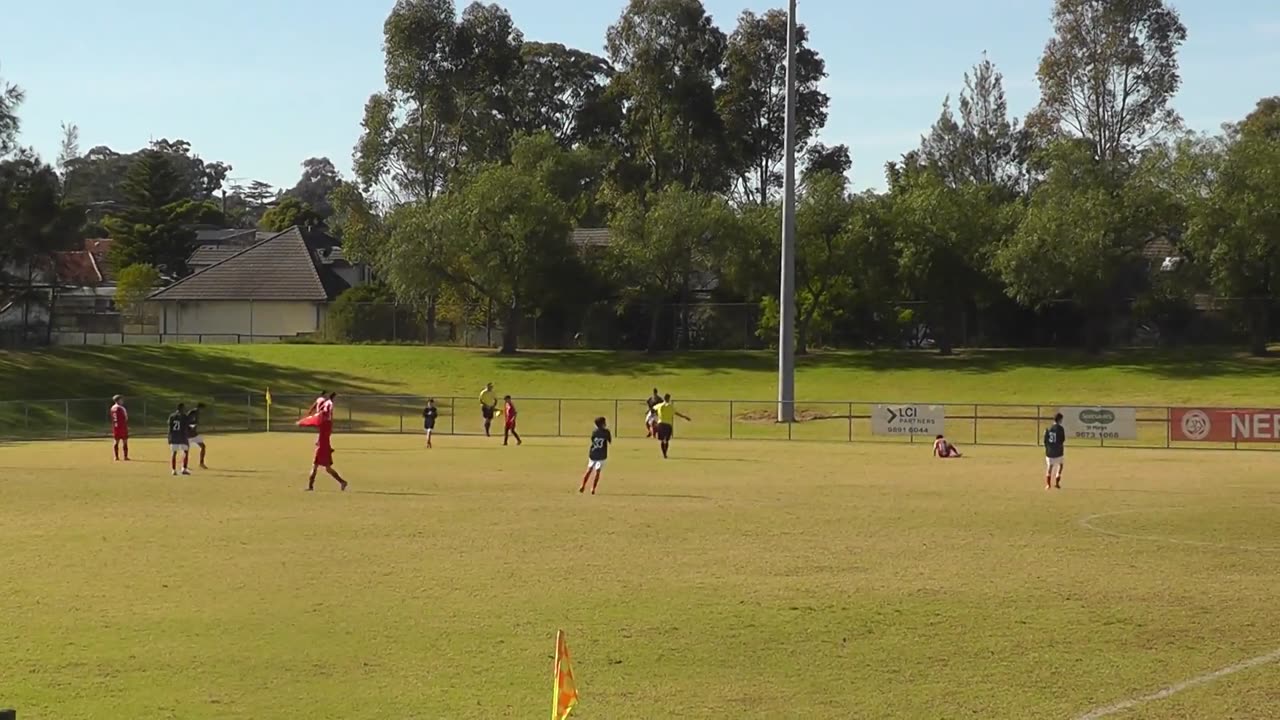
x: 564, y: 693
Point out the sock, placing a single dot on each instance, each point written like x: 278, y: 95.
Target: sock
x: 595, y: 484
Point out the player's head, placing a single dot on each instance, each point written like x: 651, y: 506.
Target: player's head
x: 655, y: 392
x: 431, y: 402
x: 937, y: 437
x: 506, y: 398
x: 117, y: 399
x: 199, y: 406
x: 333, y: 395
x: 488, y: 386
x: 601, y: 422
x: 1057, y: 418
x: 667, y: 397
x: 182, y: 407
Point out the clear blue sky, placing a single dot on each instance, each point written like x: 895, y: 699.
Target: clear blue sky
x: 264, y: 84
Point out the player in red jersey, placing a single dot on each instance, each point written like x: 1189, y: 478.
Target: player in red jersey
x: 509, y: 415
x: 120, y: 426
x: 944, y: 449
x: 324, y: 444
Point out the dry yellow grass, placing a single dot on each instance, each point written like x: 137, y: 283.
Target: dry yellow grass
x: 737, y: 580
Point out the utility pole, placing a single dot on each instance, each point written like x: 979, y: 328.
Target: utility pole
x: 787, y: 286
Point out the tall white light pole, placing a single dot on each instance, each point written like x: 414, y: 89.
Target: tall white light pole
x: 787, y: 287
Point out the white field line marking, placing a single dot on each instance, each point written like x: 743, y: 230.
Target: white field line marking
x: 1088, y: 524
x: 1172, y: 690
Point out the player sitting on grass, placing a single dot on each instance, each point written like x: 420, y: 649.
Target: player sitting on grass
x: 944, y: 449
x: 597, y: 455
x: 179, y: 433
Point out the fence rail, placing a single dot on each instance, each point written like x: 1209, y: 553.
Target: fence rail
x: 844, y: 421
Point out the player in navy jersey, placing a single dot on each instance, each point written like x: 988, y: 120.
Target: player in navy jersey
x: 179, y: 434
x: 597, y: 454
x: 1055, y: 440
x: 429, y: 415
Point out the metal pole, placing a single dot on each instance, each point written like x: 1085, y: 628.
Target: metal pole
x: 787, y: 286
x: 560, y: 417
x: 850, y: 422
x: 975, y: 424
x: 730, y: 419
x: 453, y: 416
x: 616, y: 428
x: 66, y: 415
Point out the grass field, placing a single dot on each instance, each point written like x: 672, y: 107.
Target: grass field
x: 738, y: 580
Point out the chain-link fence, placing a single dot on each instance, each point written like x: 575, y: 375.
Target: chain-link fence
x: 978, y: 424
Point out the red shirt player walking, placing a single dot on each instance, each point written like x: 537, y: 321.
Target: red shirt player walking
x: 324, y: 444
x: 120, y: 426
x: 509, y: 414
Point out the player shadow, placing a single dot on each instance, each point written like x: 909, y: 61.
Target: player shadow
x: 717, y: 460
x: 661, y: 496
x: 395, y: 493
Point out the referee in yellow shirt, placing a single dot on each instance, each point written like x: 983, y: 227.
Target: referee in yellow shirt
x: 667, y: 415
x: 488, y: 406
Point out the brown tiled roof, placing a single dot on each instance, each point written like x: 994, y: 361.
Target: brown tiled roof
x: 100, y: 249
x: 76, y: 268
x: 282, y: 267
x: 206, y: 255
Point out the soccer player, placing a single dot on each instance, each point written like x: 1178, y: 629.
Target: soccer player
x: 315, y: 404
x: 193, y: 432
x: 509, y: 426
x: 597, y: 455
x: 120, y: 426
x: 1055, y: 440
x: 651, y: 418
x: 488, y: 406
x: 667, y: 415
x: 944, y: 449
x: 324, y: 447
x: 178, y: 440
x: 429, y: 415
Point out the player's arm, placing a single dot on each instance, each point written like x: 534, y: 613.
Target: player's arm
x: 682, y: 416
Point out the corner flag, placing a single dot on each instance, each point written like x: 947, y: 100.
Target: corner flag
x: 564, y: 692
x: 268, y: 408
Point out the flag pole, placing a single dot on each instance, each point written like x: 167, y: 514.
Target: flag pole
x: 268, y: 409
x: 787, y: 286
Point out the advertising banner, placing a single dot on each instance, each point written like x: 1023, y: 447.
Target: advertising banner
x: 1100, y: 423
x: 1224, y: 426
x: 908, y: 420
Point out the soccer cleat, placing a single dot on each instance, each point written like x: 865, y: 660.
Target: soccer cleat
x: 343, y: 484
x: 173, y: 473
x: 186, y: 471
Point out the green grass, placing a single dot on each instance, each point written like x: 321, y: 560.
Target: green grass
x: 738, y: 580
x: 1132, y: 377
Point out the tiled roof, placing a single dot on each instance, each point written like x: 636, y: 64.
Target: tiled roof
x: 100, y: 248
x: 227, y: 236
x: 590, y: 237
x: 282, y: 267
x: 76, y: 268
x: 207, y: 255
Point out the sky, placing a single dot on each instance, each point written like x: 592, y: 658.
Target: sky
x: 265, y: 84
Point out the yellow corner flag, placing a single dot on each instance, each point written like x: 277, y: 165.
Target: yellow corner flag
x: 564, y: 693
x: 268, y: 408
x: 268, y: 396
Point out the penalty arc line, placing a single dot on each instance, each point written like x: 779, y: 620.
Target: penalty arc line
x: 1174, y: 689
x: 1088, y: 524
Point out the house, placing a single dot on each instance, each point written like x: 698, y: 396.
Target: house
x: 214, y: 246
x: 76, y: 286
x: 278, y: 287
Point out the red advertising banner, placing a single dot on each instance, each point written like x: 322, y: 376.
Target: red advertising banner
x: 1224, y: 426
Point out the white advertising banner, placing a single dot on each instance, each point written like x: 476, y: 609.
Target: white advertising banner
x: 1100, y: 423
x: 908, y: 420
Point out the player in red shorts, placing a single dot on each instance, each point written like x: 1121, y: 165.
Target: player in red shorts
x: 324, y: 445
x: 944, y: 449
x: 120, y: 426
x: 509, y: 415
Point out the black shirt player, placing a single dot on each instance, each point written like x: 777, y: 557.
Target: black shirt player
x: 1055, y: 440
x: 429, y: 415
x: 179, y: 433
x: 597, y: 454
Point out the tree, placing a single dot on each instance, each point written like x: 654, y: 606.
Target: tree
x: 983, y: 147
x: 505, y: 237
x: 69, y: 151
x: 1235, y: 225
x: 35, y: 221
x: 944, y: 237
x: 561, y: 90
x: 1110, y: 72
x: 258, y: 193
x: 290, y: 212
x: 134, y: 284
x: 752, y: 100
x: 658, y: 251
x: 572, y: 175
x: 11, y: 96
x: 447, y: 102
x: 668, y: 56
x: 1081, y: 236
x: 820, y: 159
x: 319, y: 180
x: 152, y: 225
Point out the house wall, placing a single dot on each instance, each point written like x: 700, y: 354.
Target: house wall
x: 239, y: 317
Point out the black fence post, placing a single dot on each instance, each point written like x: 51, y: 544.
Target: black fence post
x: 8, y: 715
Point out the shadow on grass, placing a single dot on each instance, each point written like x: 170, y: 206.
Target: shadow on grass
x: 1187, y: 363
x: 101, y: 371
